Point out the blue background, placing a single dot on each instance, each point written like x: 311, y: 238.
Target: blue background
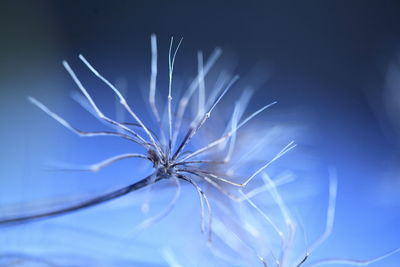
x: 331, y: 65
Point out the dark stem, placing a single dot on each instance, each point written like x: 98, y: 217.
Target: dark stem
x: 303, y: 260
x: 85, y: 204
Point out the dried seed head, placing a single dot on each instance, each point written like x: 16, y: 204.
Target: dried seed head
x: 212, y: 162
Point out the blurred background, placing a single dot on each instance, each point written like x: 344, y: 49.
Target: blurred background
x: 333, y: 67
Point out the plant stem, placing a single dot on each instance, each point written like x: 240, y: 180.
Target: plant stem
x: 83, y: 205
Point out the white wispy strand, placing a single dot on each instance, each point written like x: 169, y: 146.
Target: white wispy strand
x: 123, y: 102
x: 227, y: 135
x: 171, y: 70
x: 153, y: 78
x: 94, y: 106
x: 184, y: 101
x: 202, y: 86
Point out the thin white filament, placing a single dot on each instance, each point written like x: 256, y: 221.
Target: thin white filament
x: 330, y: 215
x: 355, y: 262
x: 153, y: 78
x: 122, y: 101
x: 67, y: 124
x: 170, y: 258
x: 171, y: 70
x: 229, y: 134
x: 286, y: 149
x: 107, y: 162
x: 193, y: 129
x: 264, y: 215
x: 202, y: 87
x: 231, y: 239
x: 97, y: 110
x: 184, y: 101
x: 290, y: 225
x: 152, y: 220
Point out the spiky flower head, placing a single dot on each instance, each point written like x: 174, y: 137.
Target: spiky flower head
x: 241, y: 232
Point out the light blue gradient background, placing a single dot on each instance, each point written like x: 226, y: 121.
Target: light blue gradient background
x: 326, y: 67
